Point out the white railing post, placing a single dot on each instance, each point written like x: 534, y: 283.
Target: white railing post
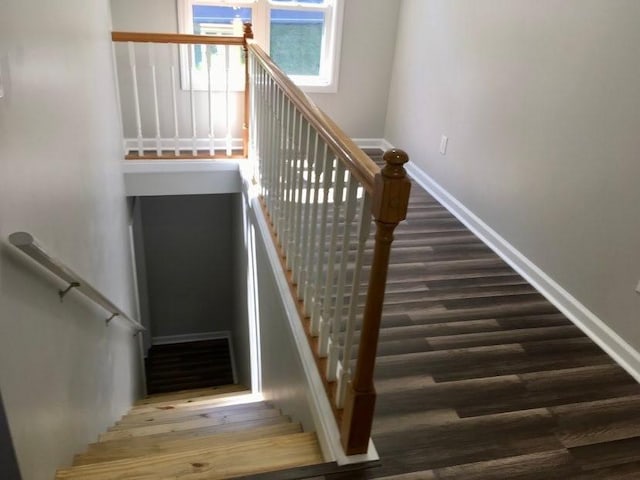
x: 303, y: 230
x: 154, y: 87
x: 136, y: 96
x: 174, y: 99
x: 310, y: 264
x: 336, y: 320
x: 209, y: 57
x: 227, y: 74
x: 343, y: 368
x: 325, y: 321
x: 192, y: 104
x: 318, y: 293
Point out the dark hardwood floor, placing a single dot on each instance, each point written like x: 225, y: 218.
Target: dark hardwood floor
x: 480, y: 377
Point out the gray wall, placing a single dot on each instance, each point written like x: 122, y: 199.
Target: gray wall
x: 189, y: 256
x: 64, y: 375
x: 541, y: 103
x: 359, y: 106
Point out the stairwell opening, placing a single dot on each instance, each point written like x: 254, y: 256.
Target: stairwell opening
x: 191, y: 289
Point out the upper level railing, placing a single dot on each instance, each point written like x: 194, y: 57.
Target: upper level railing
x: 182, y: 96
x: 25, y: 242
x: 321, y: 194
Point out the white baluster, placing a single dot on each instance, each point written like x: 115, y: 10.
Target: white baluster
x: 284, y: 165
x: 325, y: 320
x: 336, y: 320
x: 302, y: 220
x: 344, y: 369
x: 312, y: 240
x: 136, y: 97
x: 227, y: 70
x: 296, y: 218
x: 192, y: 104
x: 209, y: 57
x: 290, y: 171
x: 318, y: 294
x: 154, y: 86
x: 174, y: 99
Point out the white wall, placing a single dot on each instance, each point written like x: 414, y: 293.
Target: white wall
x: 359, y: 106
x: 541, y: 103
x: 64, y: 375
x: 368, y: 41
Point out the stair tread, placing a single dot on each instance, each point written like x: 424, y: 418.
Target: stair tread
x: 103, y: 452
x: 163, y: 418
x: 184, y: 424
x: 189, y: 433
x: 220, y: 399
x: 192, y: 393
x: 187, y: 410
x: 253, y: 456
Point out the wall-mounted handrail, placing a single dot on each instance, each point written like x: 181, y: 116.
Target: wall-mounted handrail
x: 25, y: 242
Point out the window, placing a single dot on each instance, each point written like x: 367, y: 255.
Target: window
x: 302, y: 36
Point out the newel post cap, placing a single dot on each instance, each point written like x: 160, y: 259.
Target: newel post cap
x: 392, y: 188
x: 394, y: 160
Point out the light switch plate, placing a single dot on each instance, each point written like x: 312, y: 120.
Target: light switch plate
x: 638, y: 287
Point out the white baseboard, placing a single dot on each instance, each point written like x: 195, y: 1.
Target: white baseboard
x: 612, y: 343
x: 326, y: 427
x: 190, y: 337
x: 369, y: 143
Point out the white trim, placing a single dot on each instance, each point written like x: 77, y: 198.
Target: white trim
x: 326, y: 427
x: 190, y: 337
x: 595, y: 328
x: 232, y: 355
x: 370, y: 143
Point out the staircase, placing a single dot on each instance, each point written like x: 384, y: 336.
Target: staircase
x: 209, y: 433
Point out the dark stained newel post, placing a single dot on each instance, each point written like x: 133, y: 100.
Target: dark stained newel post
x: 390, y: 203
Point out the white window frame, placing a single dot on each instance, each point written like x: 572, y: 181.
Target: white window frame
x: 327, y: 80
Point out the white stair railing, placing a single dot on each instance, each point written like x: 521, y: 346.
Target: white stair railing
x: 205, y: 111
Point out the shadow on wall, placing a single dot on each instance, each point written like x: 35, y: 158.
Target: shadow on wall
x: 8, y: 464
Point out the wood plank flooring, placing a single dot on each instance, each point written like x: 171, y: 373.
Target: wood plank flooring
x: 479, y: 377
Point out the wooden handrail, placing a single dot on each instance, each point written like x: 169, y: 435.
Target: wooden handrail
x: 176, y: 38
x: 354, y: 159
